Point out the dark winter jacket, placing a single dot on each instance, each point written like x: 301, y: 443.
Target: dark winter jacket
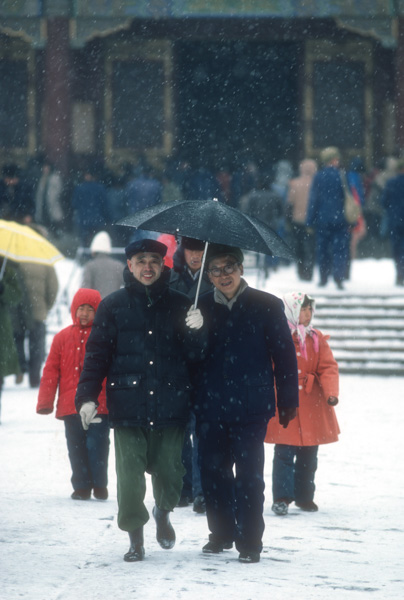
x: 141, y: 344
x: 17, y: 204
x: 142, y: 192
x: 326, y: 200
x: 89, y: 203
x: 247, y: 347
x: 10, y: 295
x: 182, y: 281
x: 393, y: 202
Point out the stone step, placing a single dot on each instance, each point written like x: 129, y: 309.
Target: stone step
x: 366, y: 332
x: 368, y: 312
x: 352, y: 368
x: 359, y: 347
x: 366, y: 356
x: 356, y: 325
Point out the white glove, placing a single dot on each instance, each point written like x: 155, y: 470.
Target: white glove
x: 194, y: 318
x: 88, y: 413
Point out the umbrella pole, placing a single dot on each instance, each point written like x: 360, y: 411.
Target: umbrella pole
x: 200, y: 274
x: 3, y: 268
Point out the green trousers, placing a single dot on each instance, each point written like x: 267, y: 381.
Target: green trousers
x: 139, y: 451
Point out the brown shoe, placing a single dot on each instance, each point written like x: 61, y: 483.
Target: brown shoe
x: 100, y: 493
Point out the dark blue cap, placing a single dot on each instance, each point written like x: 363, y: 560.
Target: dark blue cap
x: 145, y: 246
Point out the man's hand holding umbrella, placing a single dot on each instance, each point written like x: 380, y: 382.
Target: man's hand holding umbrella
x: 194, y: 318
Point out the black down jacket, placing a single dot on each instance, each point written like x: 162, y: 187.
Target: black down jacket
x: 140, y: 343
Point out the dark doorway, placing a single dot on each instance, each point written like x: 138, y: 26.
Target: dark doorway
x: 237, y: 100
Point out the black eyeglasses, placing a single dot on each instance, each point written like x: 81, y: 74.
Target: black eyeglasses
x: 226, y: 270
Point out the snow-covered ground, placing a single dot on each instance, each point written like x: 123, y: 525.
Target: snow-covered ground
x: 54, y: 548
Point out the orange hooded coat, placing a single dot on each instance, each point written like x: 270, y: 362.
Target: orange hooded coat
x: 315, y: 422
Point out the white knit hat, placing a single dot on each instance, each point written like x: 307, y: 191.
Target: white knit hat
x: 101, y: 243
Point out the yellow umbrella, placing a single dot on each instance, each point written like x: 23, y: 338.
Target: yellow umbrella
x: 22, y: 244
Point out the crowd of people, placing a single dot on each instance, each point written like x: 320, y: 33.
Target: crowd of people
x: 305, y: 209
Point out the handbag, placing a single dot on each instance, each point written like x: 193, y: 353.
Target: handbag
x: 352, y: 208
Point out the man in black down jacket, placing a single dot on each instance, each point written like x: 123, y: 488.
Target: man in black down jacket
x: 141, y: 343
x: 249, y: 347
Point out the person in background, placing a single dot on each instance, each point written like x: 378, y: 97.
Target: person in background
x: 143, y: 190
x: 249, y: 343
x: 374, y: 211
x: 88, y: 446
x: 187, y: 262
x: 90, y: 206
x: 10, y: 295
x: 202, y: 184
x: 142, y: 344
x: 40, y: 285
x: 296, y: 448
x: 184, y: 278
x: 393, y: 202
x: 102, y: 272
x: 16, y: 196
x: 354, y: 177
x: 296, y: 213
x: 266, y: 204
x: 325, y: 214
x: 48, y: 199
x: 168, y: 240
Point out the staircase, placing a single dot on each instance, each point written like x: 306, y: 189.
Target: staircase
x: 367, y: 332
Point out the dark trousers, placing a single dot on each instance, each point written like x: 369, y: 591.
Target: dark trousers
x: 332, y: 252
x: 397, y: 246
x: 138, y: 451
x: 234, y: 498
x: 88, y: 452
x: 293, y: 472
x: 304, y: 247
x: 36, y: 350
x: 192, y: 485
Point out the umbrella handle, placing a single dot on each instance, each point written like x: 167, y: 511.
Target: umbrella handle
x: 201, y: 274
x: 3, y: 268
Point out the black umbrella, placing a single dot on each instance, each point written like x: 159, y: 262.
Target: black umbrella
x: 212, y: 222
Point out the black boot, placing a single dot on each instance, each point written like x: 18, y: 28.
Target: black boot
x: 136, y: 549
x: 165, y: 534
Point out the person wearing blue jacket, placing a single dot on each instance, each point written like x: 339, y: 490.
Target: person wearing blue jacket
x: 250, y: 352
x: 90, y: 207
x: 325, y: 214
x: 393, y: 202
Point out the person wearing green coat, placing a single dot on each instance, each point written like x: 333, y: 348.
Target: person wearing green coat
x: 10, y: 295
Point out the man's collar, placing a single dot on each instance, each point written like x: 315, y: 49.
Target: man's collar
x: 220, y: 298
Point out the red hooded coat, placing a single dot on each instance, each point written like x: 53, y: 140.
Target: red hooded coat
x: 65, y: 363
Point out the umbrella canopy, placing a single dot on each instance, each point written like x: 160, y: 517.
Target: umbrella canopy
x: 211, y: 221
x: 22, y: 244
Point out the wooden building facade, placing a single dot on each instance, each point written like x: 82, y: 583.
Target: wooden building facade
x: 212, y: 80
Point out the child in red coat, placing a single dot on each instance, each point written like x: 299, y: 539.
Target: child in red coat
x: 88, y: 449
x: 296, y: 447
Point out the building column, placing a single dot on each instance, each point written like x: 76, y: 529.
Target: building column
x: 57, y: 94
